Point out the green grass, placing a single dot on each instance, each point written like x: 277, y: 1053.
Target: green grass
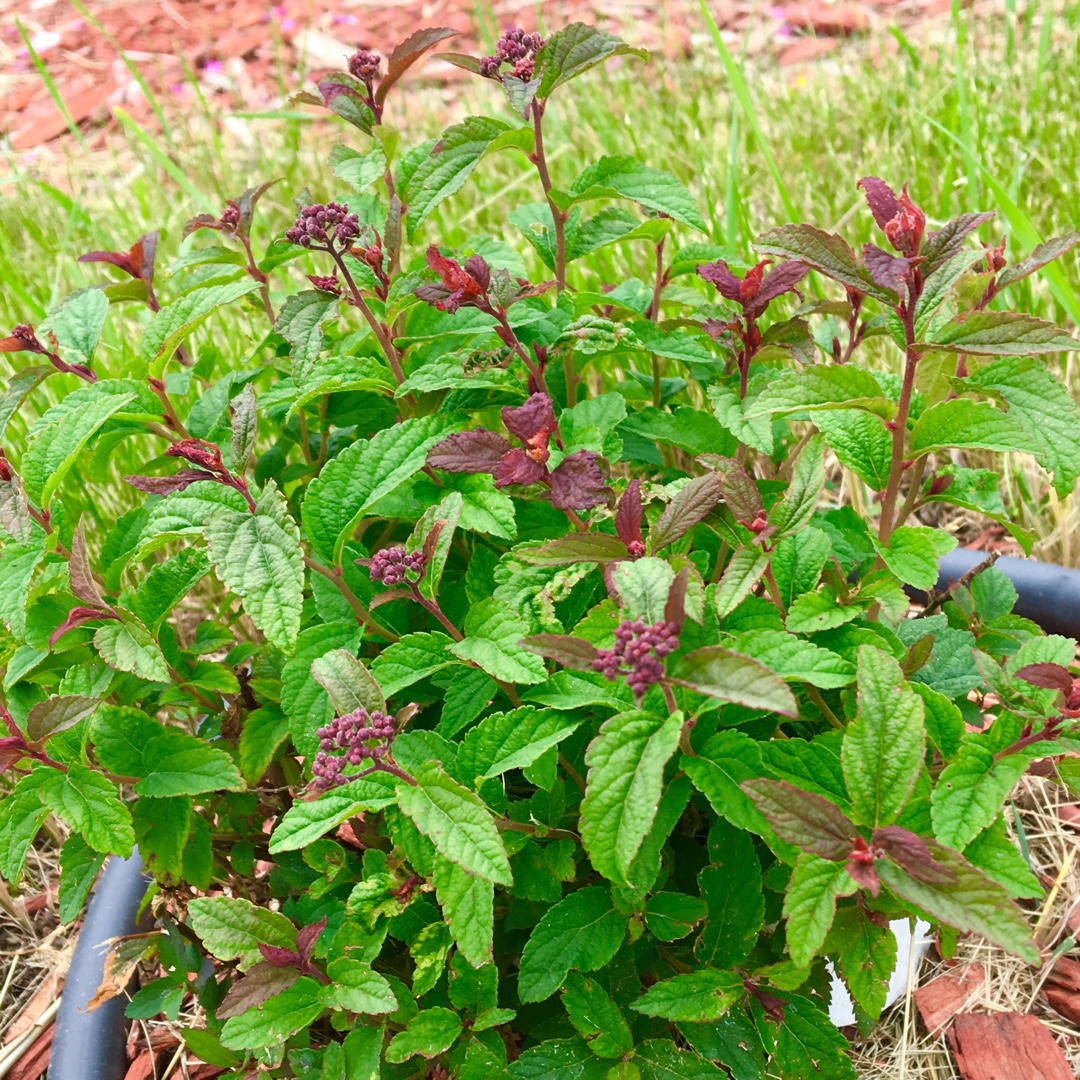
x: 988, y: 120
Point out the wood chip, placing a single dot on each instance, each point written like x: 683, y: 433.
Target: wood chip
x: 1006, y: 1046
x: 941, y: 999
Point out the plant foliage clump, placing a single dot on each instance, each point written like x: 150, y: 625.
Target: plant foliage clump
x: 474, y: 656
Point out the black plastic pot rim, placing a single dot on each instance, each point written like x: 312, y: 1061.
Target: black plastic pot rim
x: 90, y: 1045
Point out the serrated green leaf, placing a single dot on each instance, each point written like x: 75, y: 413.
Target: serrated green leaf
x: 358, y: 170
x: 174, y: 322
x: 912, y: 554
x: 824, y: 386
x: 575, y: 49
x: 626, y: 771
x: 794, y: 511
x: 258, y: 557
x: 883, y: 747
x: 580, y: 933
x: 793, y: 658
x: 231, y: 928
x: 457, y: 822
x: 91, y: 806
x: 305, y: 822
x: 867, y: 953
x: 999, y: 858
x: 741, y: 574
x: 355, y: 988
x: 596, y: 1017
x: 493, y: 631
x: 300, y: 322
x: 467, y: 903
x: 732, y: 889
x: 77, y: 323
x: 56, y: 714
x: 412, y: 658
x: 698, y: 996
x: 1001, y: 333
x: 79, y: 866
x: 276, y: 1019
x: 128, y: 646
x: 429, y: 1033
x: 860, y: 441
x: 175, y: 763
x: 970, y: 902
x: 972, y: 425
x: 167, y: 584
x: 512, y: 740
x: 54, y: 449
x: 810, y: 904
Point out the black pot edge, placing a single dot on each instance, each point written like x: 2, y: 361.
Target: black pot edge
x: 90, y: 1046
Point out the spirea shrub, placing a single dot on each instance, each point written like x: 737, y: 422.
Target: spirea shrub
x: 477, y: 650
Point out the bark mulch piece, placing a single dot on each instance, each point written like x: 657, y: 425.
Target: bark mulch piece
x: 1006, y: 1046
x: 942, y: 998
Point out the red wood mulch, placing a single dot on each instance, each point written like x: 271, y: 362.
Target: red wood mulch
x: 247, y: 54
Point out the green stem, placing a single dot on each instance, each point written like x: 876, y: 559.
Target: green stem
x: 557, y: 216
x: 814, y: 695
x: 899, y: 432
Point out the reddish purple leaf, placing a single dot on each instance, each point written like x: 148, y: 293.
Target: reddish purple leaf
x: 1047, y: 676
x: 579, y: 482
x: 628, y: 517
x: 307, y: 936
x: 675, y: 608
x: 516, y: 467
x: 166, y: 485
x: 883, y: 202
x: 909, y: 850
x: 408, y: 52
x: 802, y: 818
x: 942, y: 245
x: 532, y: 422
x: 570, y: 652
x: 889, y: 271
x: 279, y: 957
x: 475, y: 451
x: 718, y: 274
x: 693, y: 502
x: 781, y: 279
x: 75, y: 618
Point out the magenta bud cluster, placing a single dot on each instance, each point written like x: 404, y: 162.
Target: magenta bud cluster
x: 325, y: 282
x: 637, y: 654
x: 352, y: 734
x: 364, y: 65
x: 230, y: 218
x: 323, y: 223
x: 390, y: 565
x: 517, y: 48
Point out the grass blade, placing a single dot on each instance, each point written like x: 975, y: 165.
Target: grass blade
x: 50, y: 84
x: 163, y: 159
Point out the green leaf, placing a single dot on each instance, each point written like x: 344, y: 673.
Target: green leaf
x: 969, y: 425
x: 300, y: 322
x: 867, y: 957
x: 793, y: 658
x: 429, y: 1033
x: 575, y: 49
x: 795, y: 510
x: 128, y: 646
x: 944, y: 722
x: 810, y: 904
x: 174, y: 322
x: 797, y: 562
x: 428, y: 950
x: 732, y: 889
x: 19, y: 386
x: 560, y: 1059
x: 356, y: 988
x: 971, y: 902
x: 1042, y: 255
x: 493, y: 631
x: 643, y: 586
x: 626, y: 178
x: 913, y: 551
x: 77, y: 323
x: 861, y: 443
x: 18, y: 562
x: 232, y: 929
x: 457, y: 822
x: 276, y: 1019
x: 467, y: 904
x: 577, y: 547
x: 511, y: 740
x: 883, y: 748
x: 730, y: 410
x: 699, y: 996
x: 358, y: 170
x: 340, y: 375
x: 351, y: 483
x: 999, y: 858
x: 305, y: 822
x: 970, y: 791
x: 89, y: 803
x: 175, y: 763
x: 412, y: 658
x: 258, y: 557
x: 451, y: 161
x: 53, y: 451
x: 302, y: 695
x: 816, y: 611
x: 825, y: 252
x: 162, y: 827
x: 580, y: 933
x: 596, y: 1017
x: 349, y: 685
x: 741, y: 574
x: 79, y: 866
x: 626, y: 772
x: 810, y: 1045
x: 1001, y: 333
x: 726, y: 760
x: 1043, y: 408
x: 823, y: 386
x: 167, y: 584
x: 937, y: 285
x: 730, y: 676
x: 672, y: 915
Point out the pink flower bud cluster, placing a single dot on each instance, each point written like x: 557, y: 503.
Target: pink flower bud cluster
x: 390, y: 565
x: 514, y: 47
x: 323, y: 224
x: 637, y: 654
x: 364, y: 65
x: 352, y: 734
